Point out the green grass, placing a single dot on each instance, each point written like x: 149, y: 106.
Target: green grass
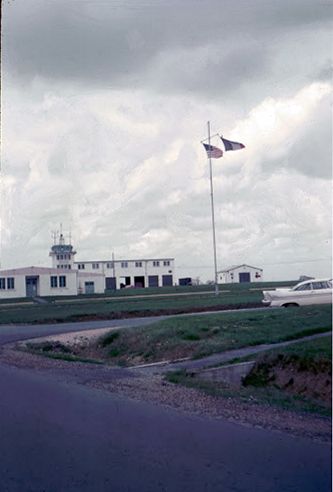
x: 317, y: 349
x: 199, y: 336
x: 107, y: 306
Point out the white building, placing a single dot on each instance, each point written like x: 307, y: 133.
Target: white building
x: 36, y: 281
x: 68, y: 277
x: 239, y: 274
x: 156, y: 272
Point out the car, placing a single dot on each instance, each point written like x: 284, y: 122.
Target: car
x: 314, y: 291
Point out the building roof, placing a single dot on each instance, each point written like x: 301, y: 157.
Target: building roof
x: 123, y: 260
x: 36, y: 271
x: 233, y: 267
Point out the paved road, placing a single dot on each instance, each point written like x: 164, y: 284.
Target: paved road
x: 57, y: 436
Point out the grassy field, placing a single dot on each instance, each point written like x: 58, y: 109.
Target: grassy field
x: 123, y: 303
x: 303, y: 358
x: 202, y: 335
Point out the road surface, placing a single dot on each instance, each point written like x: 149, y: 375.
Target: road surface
x: 61, y: 436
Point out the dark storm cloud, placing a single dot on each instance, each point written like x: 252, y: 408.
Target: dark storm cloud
x: 120, y: 44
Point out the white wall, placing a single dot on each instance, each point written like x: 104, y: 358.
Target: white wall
x: 99, y: 282
x: 18, y: 291
x: 45, y: 288
x: 120, y: 271
x: 232, y: 276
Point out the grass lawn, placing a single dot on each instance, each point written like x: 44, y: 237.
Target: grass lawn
x: 199, y: 336
x: 309, y: 357
x: 123, y: 304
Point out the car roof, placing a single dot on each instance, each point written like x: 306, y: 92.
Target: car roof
x: 315, y: 280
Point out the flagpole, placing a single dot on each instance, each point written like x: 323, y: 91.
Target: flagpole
x: 213, y: 216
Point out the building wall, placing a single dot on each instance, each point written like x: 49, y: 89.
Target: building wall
x: 45, y: 288
x: 132, y: 272
x: 232, y: 276
x: 43, y: 284
x: 19, y: 287
x: 97, y: 280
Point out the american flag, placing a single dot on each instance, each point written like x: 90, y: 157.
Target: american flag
x: 213, y: 152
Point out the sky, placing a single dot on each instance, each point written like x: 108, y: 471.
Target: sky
x: 104, y: 107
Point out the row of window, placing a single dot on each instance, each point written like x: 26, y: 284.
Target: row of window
x: 10, y: 283
x: 58, y: 281
x: 63, y: 257
x: 67, y: 267
x: 124, y: 264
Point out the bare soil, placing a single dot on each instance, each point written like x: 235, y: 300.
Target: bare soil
x: 297, y: 376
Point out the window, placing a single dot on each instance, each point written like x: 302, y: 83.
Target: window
x: 95, y: 266
x: 320, y: 285
x: 81, y: 266
x: 138, y: 264
x: 62, y: 281
x: 304, y: 287
x: 58, y: 257
x: 166, y: 263
x: 54, y: 281
x: 10, y: 283
x: 109, y: 265
x: 156, y: 263
x: 69, y: 267
x: 124, y: 264
x: 2, y: 283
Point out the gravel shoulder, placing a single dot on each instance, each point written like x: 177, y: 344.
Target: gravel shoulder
x: 150, y: 386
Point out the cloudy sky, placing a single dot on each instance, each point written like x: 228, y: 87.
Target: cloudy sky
x: 104, y: 105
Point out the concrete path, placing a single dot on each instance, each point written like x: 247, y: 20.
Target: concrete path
x: 227, y: 356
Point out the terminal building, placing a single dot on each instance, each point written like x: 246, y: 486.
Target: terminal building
x: 68, y: 277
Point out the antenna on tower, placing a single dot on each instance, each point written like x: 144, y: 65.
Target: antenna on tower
x: 54, y: 235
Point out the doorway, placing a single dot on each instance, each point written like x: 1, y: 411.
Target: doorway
x: 244, y: 277
x: 31, y: 286
x: 139, y: 281
x: 89, y: 288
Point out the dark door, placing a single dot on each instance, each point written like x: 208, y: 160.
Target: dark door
x: 110, y: 283
x: 166, y: 280
x: 244, y: 277
x: 139, y: 281
x: 153, y: 280
x: 31, y: 284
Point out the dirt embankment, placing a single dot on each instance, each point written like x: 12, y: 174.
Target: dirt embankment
x: 296, y: 375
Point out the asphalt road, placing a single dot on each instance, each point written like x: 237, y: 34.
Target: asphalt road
x: 61, y: 436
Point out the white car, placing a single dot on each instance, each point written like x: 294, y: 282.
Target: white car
x: 309, y: 292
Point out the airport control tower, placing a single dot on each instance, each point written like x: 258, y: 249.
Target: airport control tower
x: 62, y: 254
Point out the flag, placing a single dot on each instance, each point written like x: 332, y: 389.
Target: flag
x: 229, y: 145
x: 213, y: 152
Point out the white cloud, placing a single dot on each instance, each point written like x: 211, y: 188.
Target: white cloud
x: 123, y: 167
